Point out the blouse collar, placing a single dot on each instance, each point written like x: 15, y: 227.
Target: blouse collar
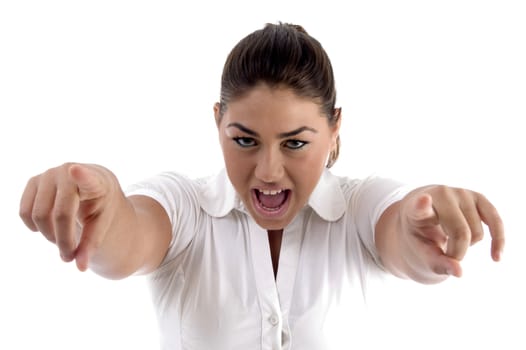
x: 218, y: 197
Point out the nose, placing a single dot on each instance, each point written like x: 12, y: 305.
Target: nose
x: 269, y: 167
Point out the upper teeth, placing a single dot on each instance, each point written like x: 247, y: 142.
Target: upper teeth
x: 270, y: 192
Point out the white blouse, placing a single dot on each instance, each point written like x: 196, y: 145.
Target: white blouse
x: 216, y: 289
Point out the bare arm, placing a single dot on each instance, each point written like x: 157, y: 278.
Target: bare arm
x: 425, y: 235
x: 82, y: 209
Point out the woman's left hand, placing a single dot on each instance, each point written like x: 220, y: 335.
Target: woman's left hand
x: 439, y: 224
x: 426, y: 235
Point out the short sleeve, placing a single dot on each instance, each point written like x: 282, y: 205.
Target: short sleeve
x: 367, y: 200
x: 177, y: 194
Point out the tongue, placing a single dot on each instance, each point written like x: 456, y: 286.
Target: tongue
x: 272, y: 200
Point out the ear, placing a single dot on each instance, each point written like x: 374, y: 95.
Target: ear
x: 337, y: 124
x: 217, y: 113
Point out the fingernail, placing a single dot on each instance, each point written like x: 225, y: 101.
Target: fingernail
x: 64, y: 257
x: 451, y: 272
x: 80, y: 265
x: 82, y: 261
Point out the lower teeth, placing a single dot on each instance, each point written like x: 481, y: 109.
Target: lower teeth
x: 269, y: 209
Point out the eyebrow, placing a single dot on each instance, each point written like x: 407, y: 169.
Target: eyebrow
x: 280, y: 135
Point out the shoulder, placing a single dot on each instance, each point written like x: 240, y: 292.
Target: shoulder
x: 336, y: 195
x: 214, y: 193
x: 164, y: 185
x: 372, y: 185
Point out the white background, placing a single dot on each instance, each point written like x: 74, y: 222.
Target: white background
x: 432, y: 92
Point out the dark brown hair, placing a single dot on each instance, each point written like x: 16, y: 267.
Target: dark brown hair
x: 282, y: 55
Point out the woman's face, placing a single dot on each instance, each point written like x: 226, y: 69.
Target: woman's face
x: 275, y: 145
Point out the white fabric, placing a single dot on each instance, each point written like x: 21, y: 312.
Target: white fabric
x: 216, y: 287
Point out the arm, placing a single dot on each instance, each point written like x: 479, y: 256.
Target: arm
x: 425, y: 235
x: 82, y: 209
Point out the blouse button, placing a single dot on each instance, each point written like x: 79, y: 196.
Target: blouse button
x: 274, y: 320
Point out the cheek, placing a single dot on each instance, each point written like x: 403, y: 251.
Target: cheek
x: 230, y: 159
x: 307, y: 170
x: 237, y: 166
x: 315, y: 160
x: 228, y: 153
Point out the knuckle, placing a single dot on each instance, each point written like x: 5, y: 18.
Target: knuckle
x: 480, y: 196
x: 67, y: 164
x: 499, y: 222
x: 461, y: 194
x: 464, y: 194
x: 25, y: 213
x: 50, y: 237
x: 476, y: 236
x: 494, y: 214
x: 65, y: 244
x: 461, y: 234
x: 40, y: 217
x: 442, y: 190
x: 61, y: 216
x: 33, y: 180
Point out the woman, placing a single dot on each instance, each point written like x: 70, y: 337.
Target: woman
x: 256, y: 256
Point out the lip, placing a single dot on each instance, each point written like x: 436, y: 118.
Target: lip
x: 270, y: 214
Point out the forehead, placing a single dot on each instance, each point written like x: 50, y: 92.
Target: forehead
x: 274, y: 104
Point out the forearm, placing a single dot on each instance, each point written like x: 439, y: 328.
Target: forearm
x: 387, y: 243
x: 119, y: 253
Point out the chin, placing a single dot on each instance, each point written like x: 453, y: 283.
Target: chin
x: 271, y: 225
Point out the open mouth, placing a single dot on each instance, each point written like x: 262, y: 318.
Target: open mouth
x: 271, y: 202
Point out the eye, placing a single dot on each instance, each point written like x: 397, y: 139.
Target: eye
x: 295, y: 144
x: 245, y: 141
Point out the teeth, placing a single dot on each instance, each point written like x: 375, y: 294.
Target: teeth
x: 270, y: 192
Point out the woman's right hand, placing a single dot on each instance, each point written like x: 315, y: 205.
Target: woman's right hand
x: 73, y: 206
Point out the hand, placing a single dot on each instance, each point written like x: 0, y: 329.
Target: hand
x: 439, y: 223
x: 72, y: 206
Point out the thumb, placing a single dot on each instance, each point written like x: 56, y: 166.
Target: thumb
x: 89, y: 181
x: 421, y: 211
x: 423, y: 222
